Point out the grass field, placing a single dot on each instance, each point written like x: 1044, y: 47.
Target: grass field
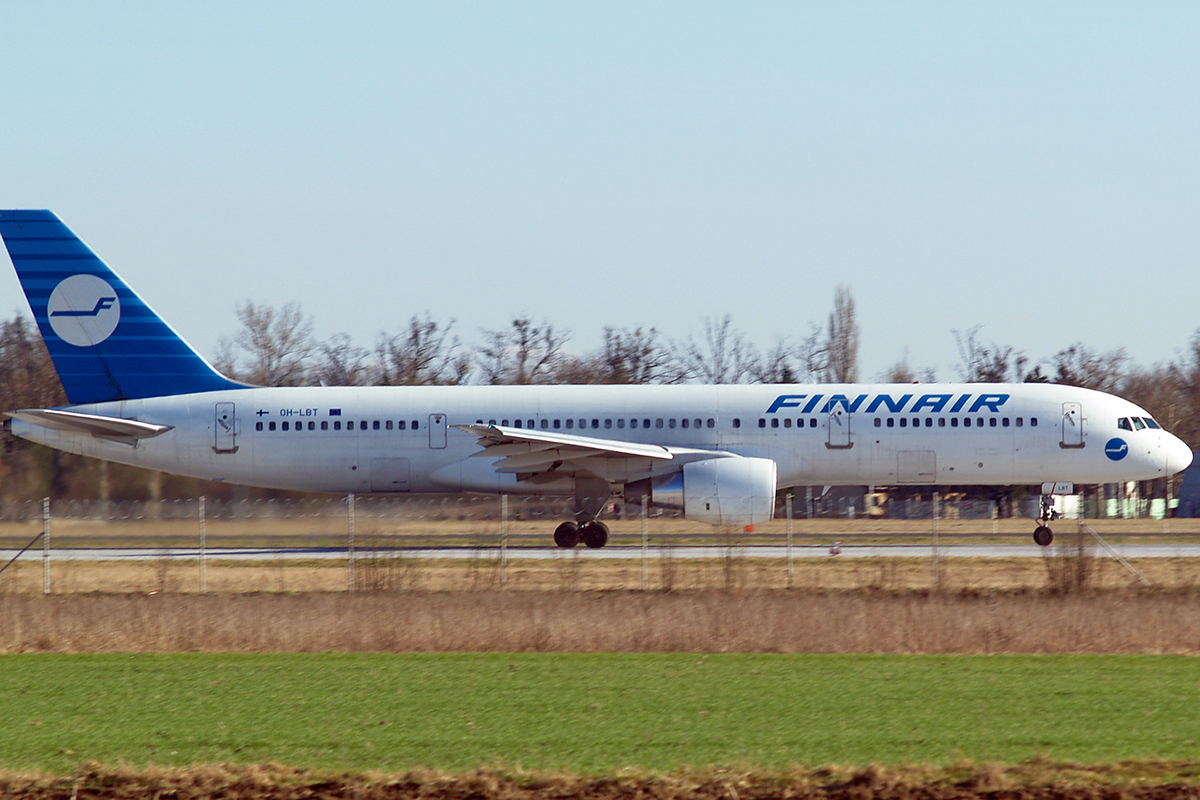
x: 591, y: 713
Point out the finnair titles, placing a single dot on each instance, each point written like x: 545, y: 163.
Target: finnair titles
x: 139, y: 394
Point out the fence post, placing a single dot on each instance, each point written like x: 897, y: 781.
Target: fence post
x: 645, y: 542
x: 46, y: 545
x: 937, y: 583
x: 503, y: 540
x: 788, y: 504
x: 203, y: 576
x: 350, y: 543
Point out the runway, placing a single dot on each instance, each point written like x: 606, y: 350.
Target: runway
x: 619, y: 552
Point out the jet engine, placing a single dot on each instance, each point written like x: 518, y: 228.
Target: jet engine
x: 722, y: 491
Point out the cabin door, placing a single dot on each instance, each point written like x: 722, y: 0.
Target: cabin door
x: 841, y: 434
x: 1072, y: 425
x: 437, y: 431
x: 225, y: 427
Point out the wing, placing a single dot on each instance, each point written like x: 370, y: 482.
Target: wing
x: 122, y: 430
x: 542, y: 455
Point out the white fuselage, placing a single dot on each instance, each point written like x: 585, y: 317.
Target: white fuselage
x: 388, y: 439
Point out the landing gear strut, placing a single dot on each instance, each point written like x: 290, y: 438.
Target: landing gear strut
x: 1042, y: 535
x: 592, y: 533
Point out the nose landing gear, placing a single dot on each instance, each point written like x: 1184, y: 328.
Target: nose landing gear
x: 1042, y: 535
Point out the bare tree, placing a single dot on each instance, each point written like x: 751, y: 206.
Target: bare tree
x: 904, y: 372
x: 341, y: 363
x: 425, y: 354
x: 987, y: 363
x: 276, y: 342
x: 632, y: 356
x: 777, y: 365
x: 1079, y: 365
x: 525, y: 353
x: 723, y: 357
x: 842, y: 344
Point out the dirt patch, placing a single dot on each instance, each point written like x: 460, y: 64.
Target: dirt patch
x: 1135, y: 781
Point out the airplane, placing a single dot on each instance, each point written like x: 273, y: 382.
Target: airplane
x: 140, y: 395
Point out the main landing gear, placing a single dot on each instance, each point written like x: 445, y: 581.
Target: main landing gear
x: 1042, y: 535
x: 593, y: 533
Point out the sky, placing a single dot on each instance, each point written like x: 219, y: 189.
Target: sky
x: 1030, y: 168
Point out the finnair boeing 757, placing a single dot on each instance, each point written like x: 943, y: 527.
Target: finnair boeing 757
x: 140, y: 395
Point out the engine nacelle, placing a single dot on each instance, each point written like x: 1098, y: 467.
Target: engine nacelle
x: 721, y: 491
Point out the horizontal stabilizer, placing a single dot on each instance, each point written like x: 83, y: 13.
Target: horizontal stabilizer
x: 92, y: 424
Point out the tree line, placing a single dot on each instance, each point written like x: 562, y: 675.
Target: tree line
x: 275, y: 346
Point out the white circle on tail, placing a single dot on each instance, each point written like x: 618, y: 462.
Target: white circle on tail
x: 83, y: 310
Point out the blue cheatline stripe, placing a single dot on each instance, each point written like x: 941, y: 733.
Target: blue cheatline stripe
x: 141, y: 357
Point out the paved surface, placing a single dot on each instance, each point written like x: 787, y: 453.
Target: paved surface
x: 612, y: 552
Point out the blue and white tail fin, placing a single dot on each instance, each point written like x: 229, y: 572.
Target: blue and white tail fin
x: 106, y: 343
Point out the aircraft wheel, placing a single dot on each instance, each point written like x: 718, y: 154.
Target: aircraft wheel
x: 566, y: 535
x: 594, y: 533
x: 1043, y: 535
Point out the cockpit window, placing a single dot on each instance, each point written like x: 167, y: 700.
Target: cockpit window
x: 1123, y: 424
x: 1150, y: 423
x: 1138, y: 424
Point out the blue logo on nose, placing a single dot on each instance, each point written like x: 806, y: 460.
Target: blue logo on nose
x: 1116, y: 449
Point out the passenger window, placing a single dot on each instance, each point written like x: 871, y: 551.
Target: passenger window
x: 670, y: 423
x: 375, y: 425
x: 1033, y: 422
x: 941, y: 422
x: 954, y: 422
x: 737, y: 423
x: 620, y: 423
x: 1004, y: 422
x: 645, y: 423
x: 787, y: 422
x: 258, y: 426
x: 684, y: 423
x: 878, y: 422
x: 388, y: 424
x: 312, y: 426
x: 891, y: 423
x: 762, y: 423
x: 697, y: 423
x: 658, y: 423
x: 812, y: 423
x: 283, y: 426
x: 570, y: 424
x: 402, y: 425
x: 929, y: 422
x: 774, y: 422
x: 545, y: 424
x: 607, y: 423
x: 337, y: 426
x: 557, y: 424
x: 324, y: 425
x: 1020, y: 422
x: 516, y: 423
x: 992, y: 422
x: 966, y: 422
x: 903, y: 422
x: 595, y: 424
x: 712, y: 423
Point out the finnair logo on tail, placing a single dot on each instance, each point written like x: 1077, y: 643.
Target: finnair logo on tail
x: 83, y: 310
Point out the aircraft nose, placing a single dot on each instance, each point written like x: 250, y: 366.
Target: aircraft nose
x: 1179, y: 455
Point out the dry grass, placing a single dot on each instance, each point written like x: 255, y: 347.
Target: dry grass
x: 701, y: 621
x: 387, y: 569
x: 1035, y: 780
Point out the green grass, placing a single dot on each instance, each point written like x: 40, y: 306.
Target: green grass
x: 591, y: 713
